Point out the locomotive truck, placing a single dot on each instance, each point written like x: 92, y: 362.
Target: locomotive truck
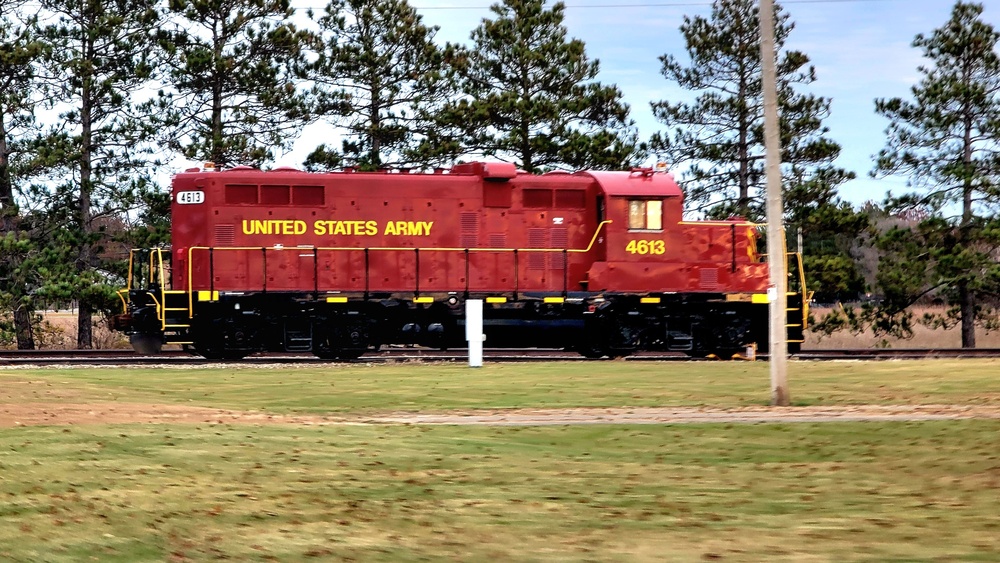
x: 341, y: 263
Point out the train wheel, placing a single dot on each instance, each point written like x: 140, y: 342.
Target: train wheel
x: 607, y: 334
x: 593, y: 344
x: 347, y: 341
x: 594, y: 341
x: 224, y: 338
x: 354, y: 337
x: 325, y: 346
x: 625, y: 340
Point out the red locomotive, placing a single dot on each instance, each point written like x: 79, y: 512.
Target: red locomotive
x: 341, y: 263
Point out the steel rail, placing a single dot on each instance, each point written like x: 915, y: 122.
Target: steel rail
x: 389, y: 355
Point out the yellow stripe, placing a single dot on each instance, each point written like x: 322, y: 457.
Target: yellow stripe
x: 554, y: 300
x: 336, y: 300
x: 423, y: 299
x: 496, y: 299
x: 759, y: 298
x: 208, y: 296
x: 649, y: 300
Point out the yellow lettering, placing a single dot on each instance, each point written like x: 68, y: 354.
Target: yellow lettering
x: 280, y: 227
x: 328, y: 227
x: 406, y: 228
x: 261, y: 227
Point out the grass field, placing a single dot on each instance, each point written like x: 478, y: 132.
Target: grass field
x: 207, y: 491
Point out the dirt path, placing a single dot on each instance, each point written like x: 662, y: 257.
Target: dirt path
x: 39, y: 413
x: 28, y: 402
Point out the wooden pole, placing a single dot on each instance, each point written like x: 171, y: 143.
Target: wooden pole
x: 778, y: 290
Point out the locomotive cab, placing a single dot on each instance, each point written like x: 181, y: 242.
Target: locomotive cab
x: 694, y: 286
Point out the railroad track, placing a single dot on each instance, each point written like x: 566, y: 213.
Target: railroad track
x: 178, y: 357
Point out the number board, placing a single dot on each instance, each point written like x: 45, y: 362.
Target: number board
x: 190, y: 198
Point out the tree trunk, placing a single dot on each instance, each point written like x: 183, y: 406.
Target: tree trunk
x: 22, y: 326
x: 968, y: 305
x: 7, y: 208
x: 967, y: 299
x: 85, y: 326
x: 83, y: 265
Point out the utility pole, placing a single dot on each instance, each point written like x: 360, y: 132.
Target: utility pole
x: 778, y: 290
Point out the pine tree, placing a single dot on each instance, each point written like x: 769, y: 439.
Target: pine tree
x: 379, y: 77
x: 530, y: 95
x: 98, y: 153
x: 946, y: 140
x: 232, y: 67
x: 19, y: 47
x: 719, y: 137
x: 716, y: 142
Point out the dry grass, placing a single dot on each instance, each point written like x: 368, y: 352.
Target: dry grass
x: 59, y: 328
x: 923, y: 337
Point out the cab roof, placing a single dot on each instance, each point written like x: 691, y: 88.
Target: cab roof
x: 641, y: 182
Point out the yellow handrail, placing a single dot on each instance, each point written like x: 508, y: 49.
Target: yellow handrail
x: 124, y: 301
x: 722, y: 223
x: 190, y: 261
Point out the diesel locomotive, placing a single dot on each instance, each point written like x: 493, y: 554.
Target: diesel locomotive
x: 341, y: 263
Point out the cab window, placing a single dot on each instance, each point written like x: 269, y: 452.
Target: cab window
x: 645, y: 215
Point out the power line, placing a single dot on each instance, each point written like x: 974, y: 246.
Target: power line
x: 660, y: 4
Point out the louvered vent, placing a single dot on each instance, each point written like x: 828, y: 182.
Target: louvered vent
x: 537, y: 239
x: 560, y: 239
x: 498, y: 240
x: 470, y: 230
x: 225, y: 235
x: 709, y: 278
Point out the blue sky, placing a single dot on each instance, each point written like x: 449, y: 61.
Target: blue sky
x: 861, y: 50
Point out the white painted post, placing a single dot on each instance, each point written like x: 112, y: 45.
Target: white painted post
x: 474, y: 331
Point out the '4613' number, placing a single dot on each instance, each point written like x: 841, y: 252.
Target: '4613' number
x: 646, y: 247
